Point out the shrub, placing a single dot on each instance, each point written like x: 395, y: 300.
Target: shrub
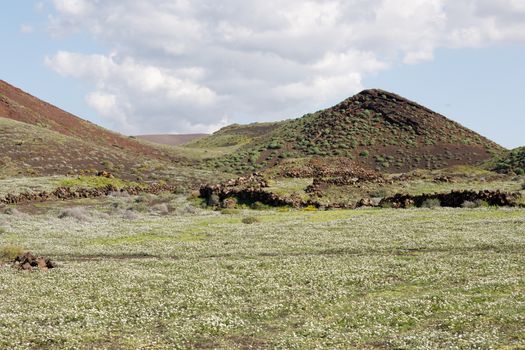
x: 364, y: 154
x: 274, y: 145
x: 469, y: 205
x: 250, y: 220
x: 186, y: 210
x: 431, y: 203
x: 161, y: 208
x: 229, y: 203
x: 214, y: 200
x: 520, y: 171
x: 475, y: 204
x: 380, y: 193
x: 2, y: 230
x: 77, y: 213
x: 260, y: 206
x: 229, y: 211
x: 310, y: 208
x: 10, y: 252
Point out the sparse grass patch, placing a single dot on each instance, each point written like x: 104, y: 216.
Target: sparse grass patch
x: 10, y: 252
x: 95, y: 182
x: 78, y: 213
x: 299, y: 280
x: 250, y: 220
x: 228, y: 211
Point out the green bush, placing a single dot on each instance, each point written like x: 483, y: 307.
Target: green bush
x: 230, y: 211
x: 275, y: 145
x: 10, y: 252
x: 250, y: 220
x: 364, y: 154
x: 431, y: 203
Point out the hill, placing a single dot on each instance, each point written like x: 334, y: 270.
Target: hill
x: 510, y: 162
x: 20, y: 106
x: 377, y: 129
x: 38, y: 138
x: 171, y: 139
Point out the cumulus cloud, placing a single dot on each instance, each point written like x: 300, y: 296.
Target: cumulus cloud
x: 181, y: 65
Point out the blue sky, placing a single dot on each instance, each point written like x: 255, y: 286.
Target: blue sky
x: 173, y: 66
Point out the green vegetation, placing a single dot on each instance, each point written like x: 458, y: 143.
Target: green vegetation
x: 352, y: 129
x: 10, y: 252
x: 513, y: 161
x: 95, y: 182
x: 250, y: 220
x: 393, y: 279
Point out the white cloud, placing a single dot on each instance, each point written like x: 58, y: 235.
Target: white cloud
x: 184, y: 65
x: 26, y: 29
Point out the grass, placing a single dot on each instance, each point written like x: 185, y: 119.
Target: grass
x: 95, y: 182
x: 10, y: 252
x: 364, y: 279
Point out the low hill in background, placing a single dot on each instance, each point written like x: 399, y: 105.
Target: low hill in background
x: 375, y: 128
x: 171, y: 139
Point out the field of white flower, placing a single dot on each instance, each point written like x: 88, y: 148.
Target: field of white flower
x: 138, y: 274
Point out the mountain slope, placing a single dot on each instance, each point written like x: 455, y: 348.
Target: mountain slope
x: 376, y: 128
x: 20, y: 106
x: 38, y: 138
x: 510, y: 162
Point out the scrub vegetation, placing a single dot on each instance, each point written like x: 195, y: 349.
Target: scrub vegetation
x: 131, y: 277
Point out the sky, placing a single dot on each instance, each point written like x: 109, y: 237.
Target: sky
x: 183, y: 66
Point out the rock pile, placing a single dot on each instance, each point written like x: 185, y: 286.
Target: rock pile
x: 63, y: 193
x: 28, y: 262
x: 454, y: 199
x: 249, y: 189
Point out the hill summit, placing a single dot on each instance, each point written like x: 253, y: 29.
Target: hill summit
x: 377, y: 128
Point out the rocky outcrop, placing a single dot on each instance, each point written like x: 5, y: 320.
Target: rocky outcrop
x: 28, y: 262
x: 454, y: 199
x: 64, y: 193
x: 254, y: 188
x: 246, y: 189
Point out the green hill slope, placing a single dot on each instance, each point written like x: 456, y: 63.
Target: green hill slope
x: 376, y: 128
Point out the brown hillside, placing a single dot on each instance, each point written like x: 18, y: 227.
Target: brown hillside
x: 20, y: 106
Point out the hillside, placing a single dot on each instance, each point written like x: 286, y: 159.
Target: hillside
x: 171, y: 139
x: 38, y: 138
x: 510, y: 162
x: 376, y: 128
x: 20, y: 106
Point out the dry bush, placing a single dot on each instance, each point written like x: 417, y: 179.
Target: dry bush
x: 431, y: 203
x: 161, y: 208
x: 250, y: 220
x: 473, y: 205
x: 129, y: 215
x: 77, y: 213
x: 186, y: 210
